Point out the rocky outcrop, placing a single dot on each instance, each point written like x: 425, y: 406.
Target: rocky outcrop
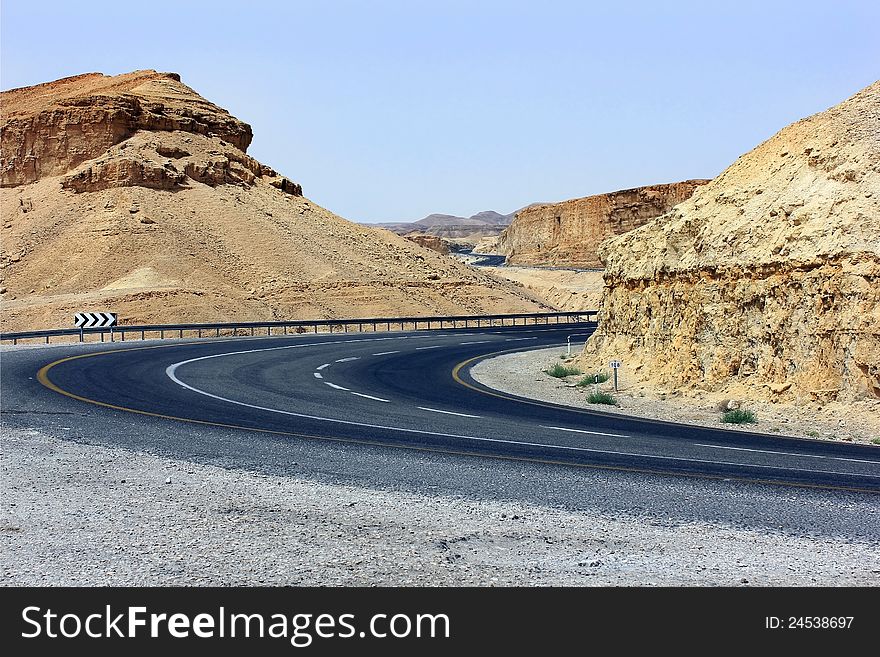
x: 568, y: 234
x: 135, y: 194
x: 429, y: 242
x: 767, y: 281
x: 49, y: 129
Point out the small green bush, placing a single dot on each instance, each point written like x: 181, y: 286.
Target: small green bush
x: 739, y: 416
x: 601, y: 398
x: 561, y: 371
x: 876, y: 441
x: 813, y: 434
x: 590, y: 379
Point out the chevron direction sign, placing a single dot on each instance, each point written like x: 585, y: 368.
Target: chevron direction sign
x: 94, y: 320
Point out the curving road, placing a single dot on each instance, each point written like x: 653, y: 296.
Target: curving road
x: 404, y: 390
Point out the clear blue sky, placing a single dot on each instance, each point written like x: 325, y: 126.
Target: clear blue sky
x: 390, y: 110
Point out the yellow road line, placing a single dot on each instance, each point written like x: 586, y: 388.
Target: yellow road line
x: 43, y: 378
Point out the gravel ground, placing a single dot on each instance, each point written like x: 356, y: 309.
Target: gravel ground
x: 78, y: 514
x: 523, y: 374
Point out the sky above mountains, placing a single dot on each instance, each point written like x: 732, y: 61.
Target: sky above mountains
x: 389, y: 111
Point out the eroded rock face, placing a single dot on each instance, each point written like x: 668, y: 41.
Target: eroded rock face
x: 135, y: 194
x: 568, y: 234
x: 50, y: 129
x: 429, y: 242
x: 766, y: 281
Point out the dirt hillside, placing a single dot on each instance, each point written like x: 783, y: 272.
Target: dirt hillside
x: 134, y: 194
x: 766, y: 283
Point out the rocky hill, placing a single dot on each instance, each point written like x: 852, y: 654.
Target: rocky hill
x: 568, y: 234
x: 429, y: 242
x: 134, y: 194
x: 767, y: 281
x: 463, y: 231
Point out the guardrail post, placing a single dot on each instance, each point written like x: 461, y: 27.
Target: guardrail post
x: 180, y: 333
x: 161, y: 335
x: 252, y: 331
x: 102, y: 336
x: 218, y: 331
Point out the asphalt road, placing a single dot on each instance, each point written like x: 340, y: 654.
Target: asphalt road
x: 400, y: 410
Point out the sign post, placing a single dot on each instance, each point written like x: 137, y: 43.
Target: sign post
x: 615, y: 365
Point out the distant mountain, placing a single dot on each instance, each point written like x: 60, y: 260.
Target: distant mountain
x: 488, y: 220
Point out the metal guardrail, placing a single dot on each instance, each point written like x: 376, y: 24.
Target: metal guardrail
x: 309, y: 325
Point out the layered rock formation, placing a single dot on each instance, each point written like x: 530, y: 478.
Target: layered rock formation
x: 135, y: 194
x: 429, y: 242
x: 568, y: 234
x: 767, y: 281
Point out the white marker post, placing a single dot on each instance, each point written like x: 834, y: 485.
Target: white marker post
x: 615, y: 365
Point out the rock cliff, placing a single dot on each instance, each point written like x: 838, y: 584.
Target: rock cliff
x: 767, y: 281
x: 429, y: 242
x: 135, y: 194
x: 568, y: 234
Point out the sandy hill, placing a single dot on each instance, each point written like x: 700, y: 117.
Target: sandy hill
x: 767, y: 281
x: 134, y: 194
x: 568, y: 234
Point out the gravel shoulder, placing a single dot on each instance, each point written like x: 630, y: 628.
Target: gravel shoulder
x: 523, y: 374
x: 79, y: 514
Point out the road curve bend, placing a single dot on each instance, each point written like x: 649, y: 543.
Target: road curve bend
x: 413, y: 390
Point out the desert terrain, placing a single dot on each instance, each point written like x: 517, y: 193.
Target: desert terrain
x: 765, y: 284
x: 134, y: 194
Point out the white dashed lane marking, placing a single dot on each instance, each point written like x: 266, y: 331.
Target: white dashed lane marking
x: 595, y: 433
x: 433, y: 346
x: 350, y: 358
x: 360, y: 394
x: 318, y: 375
x: 476, y: 342
x: 437, y: 410
x: 385, y: 353
x: 518, y: 339
x: 336, y: 387
x: 321, y: 367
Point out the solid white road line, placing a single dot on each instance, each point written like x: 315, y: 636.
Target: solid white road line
x: 811, y: 456
x: 433, y: 346
x: 170, y: 371
x: 345, y: 360
x: 360, y: 394
x: 333, y: 385
x: 318, y: 375
x: 595, y: 433
x: 385, y: 353
x: 321, y: 367
x: 437, y: 410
